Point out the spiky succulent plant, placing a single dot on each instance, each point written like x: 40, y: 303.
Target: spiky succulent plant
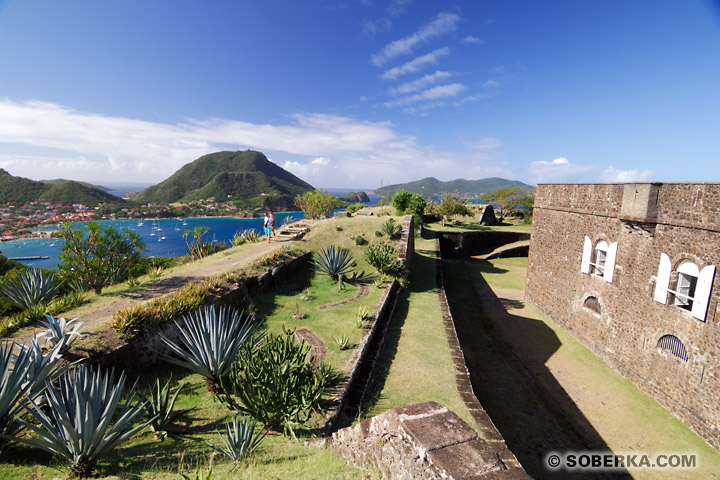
x: 334, y: 261
x: 241, y: 439
x: 57, y: 332
x: 31, y: 287
x: 210, y: 341
x: 87, y: 416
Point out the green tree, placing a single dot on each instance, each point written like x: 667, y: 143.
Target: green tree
x: 100, y: 255
x: 507, y: 201
x: 317, y: 204
x: 406, y: 202
x: 452, y: 204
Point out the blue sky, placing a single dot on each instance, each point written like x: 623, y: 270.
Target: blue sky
x: 355, y: 93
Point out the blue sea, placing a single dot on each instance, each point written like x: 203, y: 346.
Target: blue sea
x: 163, y: 238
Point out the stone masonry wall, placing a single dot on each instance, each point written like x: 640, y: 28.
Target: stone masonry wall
x: 425, y: 441
x: 683, y: 222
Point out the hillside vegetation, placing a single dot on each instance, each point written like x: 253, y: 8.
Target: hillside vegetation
x: 430, y: 186
x: 241, y: 177
x: 19, y: 189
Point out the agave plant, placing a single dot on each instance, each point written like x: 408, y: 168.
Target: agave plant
x: 160, y: 407
x: 241, y: 439
x: 57, y: 332
x: 86, y: 418
x: 15, y: 370
x: 31, y: 287
x: 334, y: 261
x: 343, y: 342
x: 43, y: 366
x: 391, y: 229
x: 210, y: 342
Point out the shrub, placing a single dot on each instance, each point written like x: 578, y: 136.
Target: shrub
x: 275, y: 384
x: 210, y: 342
x: 360, y: 240
x: 132, y: 321
x: 316, y: 204
x: 334, y: 261
x: 100, y: 257
x: 88, y: 416
x: 383, y: 258
x: 354, y: 207
x: 30, y: 287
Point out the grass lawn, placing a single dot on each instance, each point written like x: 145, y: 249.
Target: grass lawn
x: 626, y: 419
x: 415, y: 365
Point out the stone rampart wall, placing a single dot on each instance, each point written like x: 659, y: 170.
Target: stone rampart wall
x: 623, y: 323
x: 425, y: 441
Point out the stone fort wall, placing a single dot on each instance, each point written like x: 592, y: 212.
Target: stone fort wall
x: 631, y: 318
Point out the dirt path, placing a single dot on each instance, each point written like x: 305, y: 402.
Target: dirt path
x: 97, y: 316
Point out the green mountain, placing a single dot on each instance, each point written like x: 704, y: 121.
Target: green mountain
x: 61, y: 180
x: 430, y: 186
x: 19, y: 189
x: 242, y: 177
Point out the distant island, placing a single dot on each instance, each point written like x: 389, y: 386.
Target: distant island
x: 245, y: 178
x: 430, y: 186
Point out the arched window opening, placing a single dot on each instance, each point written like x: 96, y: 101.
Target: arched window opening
x: 599, y: 260
x: 687, y: 278
x: 673, y: 345
x: 592, y: 303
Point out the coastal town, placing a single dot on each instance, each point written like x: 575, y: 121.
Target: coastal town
x: 20, y: 220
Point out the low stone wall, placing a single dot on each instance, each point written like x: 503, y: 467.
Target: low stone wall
x: 424, y: 441
x: 144, y: 352
x: 406, y: 250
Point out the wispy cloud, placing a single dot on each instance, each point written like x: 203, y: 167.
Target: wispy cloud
x: 434, y: 93
x: 442, y: 24
x: 420, y: 83
x: 372, y: 27
x: 472, y: 39
x: 44, y: 140
x: 415, y: 64
x: 562, y: 170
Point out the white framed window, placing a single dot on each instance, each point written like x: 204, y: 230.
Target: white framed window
x: 691, y: 289
x: 599, y: 260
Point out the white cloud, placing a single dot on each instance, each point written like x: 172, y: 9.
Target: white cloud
x: 471, y: 39
x: 434, y: 93
x: 415, y: 64
x: 612, y: 174
x: 420, y: 83
x: 561, y: 170
x: 44, y: 140
x: 372, y: 27
x: 442, y: 24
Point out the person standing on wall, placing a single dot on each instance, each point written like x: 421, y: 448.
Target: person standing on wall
x: 272, y: 222
x: 267, y: 227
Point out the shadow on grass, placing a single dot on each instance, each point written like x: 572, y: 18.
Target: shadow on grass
x: 528, y: 405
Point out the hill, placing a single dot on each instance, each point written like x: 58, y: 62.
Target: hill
x: 247, y: 178
x: 430, y: 186
x: 90, y: 185
x: 19, y: 189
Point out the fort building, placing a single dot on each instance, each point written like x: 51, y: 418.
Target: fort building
x: 630, y: 271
